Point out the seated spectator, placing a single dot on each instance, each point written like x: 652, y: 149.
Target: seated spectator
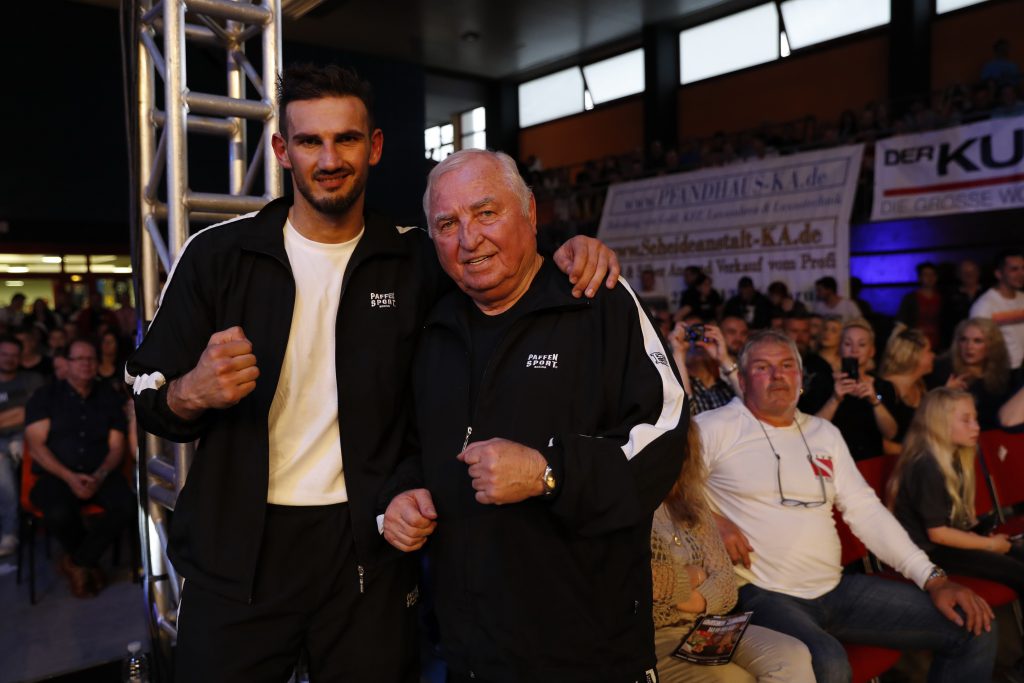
x: 960, y: 299
x: 922, y: 308
x: 735, y: 331
x: 75, y: 433
x: 125, y: 315
x: 13, y: 313
x: 817, y: 323
x: 693, y: 576
x: 978, y: 362
x: 907, y: 359
x: 817, y: 375
x: 782, y: 300
x: 750, y: 304
x: 828, y: 301
x: 707, y: 369
x: 702, y: 300
x: 16, y: 386
x: 1001, y: 70
x: 1008, y: 105
x: 56, y: 340
x: 860, y: 405
x: 931, y: 492
x: 651, y: 293
x: 33, y: 358
x: 828, y: 341
x: 110, y: 368
x: 41, y: 315
x: 775, y: 514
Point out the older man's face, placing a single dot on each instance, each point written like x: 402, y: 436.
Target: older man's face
x: 483, y: 240
x: 771, y: 381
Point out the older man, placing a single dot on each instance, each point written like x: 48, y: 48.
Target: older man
x: 75, y: 432
x: 774, y: 476
x: 551, y: 429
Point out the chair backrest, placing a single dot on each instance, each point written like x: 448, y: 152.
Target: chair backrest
x: 852, y: 549
x: 28, y: 482
x: 1004, y: 455
x: 876, y: 473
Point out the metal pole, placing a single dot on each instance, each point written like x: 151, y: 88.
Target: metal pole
x: 176, y: 92
x: 237, y: 155
x: 273, y: 174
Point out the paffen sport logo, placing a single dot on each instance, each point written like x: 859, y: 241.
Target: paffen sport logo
x: 383, y: 300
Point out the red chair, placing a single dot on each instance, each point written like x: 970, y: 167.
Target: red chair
x: 876, y: 472
x: 868, y: 662
x: 1003, y: 456
x: 31, y: 517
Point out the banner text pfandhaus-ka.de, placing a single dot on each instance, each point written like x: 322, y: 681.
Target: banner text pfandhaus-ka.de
x: 784, y: 218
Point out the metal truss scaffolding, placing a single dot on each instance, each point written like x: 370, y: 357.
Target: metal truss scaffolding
x: 168, y: 208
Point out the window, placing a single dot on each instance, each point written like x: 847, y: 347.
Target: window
x: 474, y: 126
x: 438, y: 141
x: 943, y: 6
x: 815, y: 21
x: 551, y: 97
x: 729, y: 44
x: 615, y: 77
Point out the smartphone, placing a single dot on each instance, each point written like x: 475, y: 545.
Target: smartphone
x: 850, y: 367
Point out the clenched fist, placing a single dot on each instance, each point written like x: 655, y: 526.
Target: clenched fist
x: 225, y: 374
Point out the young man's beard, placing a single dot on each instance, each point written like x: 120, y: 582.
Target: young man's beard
x: 334, y: 205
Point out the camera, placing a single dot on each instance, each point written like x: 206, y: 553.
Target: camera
x: 695, y: 333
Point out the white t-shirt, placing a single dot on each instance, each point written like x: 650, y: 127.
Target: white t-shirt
x: 844, y: 308
x: 1008, y: 314
x: 796, y: 549
x: 305, y: 444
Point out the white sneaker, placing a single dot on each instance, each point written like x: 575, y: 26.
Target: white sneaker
x: 8, y: 544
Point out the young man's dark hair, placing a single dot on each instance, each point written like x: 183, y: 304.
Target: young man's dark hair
x: 923, y: 265
x: 1006, y: 254
x: 828, y: 282
x: 312, y: 82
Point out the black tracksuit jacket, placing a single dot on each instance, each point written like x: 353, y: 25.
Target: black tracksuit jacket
x: 238, y: 273
x: 554, y: 588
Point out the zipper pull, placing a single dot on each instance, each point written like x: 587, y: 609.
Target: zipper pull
x: 469, y: 433
x: 362, y: 578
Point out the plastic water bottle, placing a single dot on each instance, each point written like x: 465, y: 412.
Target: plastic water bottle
x: 135, y: 668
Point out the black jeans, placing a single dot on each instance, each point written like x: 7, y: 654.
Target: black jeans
x: 62, y: 512
x: 1006, y: 569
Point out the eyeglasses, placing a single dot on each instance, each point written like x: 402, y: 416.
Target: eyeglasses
x: 793, y: 502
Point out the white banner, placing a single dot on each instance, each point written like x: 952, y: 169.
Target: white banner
x: 785, y: 218
x: 979, y: 167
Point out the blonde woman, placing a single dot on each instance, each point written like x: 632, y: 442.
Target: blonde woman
x: 692, y: 576
x: 860, y: 402
x: 931, y: 492
x: 907, y: 359
x: 978, y: 362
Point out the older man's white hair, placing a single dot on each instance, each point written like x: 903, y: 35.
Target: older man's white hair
x: 509, y: 172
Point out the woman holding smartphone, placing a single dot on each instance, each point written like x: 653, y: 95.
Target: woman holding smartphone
x: 860, y: 403
x: 931, y: 492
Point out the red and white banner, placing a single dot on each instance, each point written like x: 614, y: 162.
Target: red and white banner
x: 979, y: 167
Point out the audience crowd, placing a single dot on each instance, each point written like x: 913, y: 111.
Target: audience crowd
x: 570, y: 199
x: 65, y: 408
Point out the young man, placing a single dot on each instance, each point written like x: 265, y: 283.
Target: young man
x: 1004, y: 303
x: 284, y: 342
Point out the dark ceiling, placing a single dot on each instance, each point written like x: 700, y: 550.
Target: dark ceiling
x: 495, y: 39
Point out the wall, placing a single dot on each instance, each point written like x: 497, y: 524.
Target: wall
x: 962, y: 41
x: 822, y: 82
x: 608, y: 130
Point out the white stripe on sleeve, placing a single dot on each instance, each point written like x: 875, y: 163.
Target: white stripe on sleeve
x: 672, y: 391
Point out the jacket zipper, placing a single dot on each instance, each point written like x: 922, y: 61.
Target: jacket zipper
x: 362, y: 578
x: 469, y: 433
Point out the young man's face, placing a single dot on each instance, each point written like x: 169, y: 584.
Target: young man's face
x: 1011, y: 274
x: 329, y: 150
